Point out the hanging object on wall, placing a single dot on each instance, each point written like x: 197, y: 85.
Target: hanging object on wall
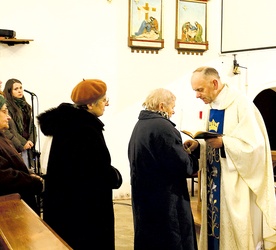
x: 236, y: 66
x: 191, y: 27
x: 145, y: 26
x: 236, y: 69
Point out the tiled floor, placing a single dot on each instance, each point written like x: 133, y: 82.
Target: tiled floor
x: 123, y: 225
x: 124, y: 222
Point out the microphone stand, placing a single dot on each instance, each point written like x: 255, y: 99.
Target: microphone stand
x: 35, y: 153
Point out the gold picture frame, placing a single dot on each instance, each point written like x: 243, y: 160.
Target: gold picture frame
x: 145, y: 26
x: 191, y: 27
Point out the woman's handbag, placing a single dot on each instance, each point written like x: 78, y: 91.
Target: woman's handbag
x: 116, y: 178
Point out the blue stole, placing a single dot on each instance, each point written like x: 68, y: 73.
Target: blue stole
x: 216, y: 120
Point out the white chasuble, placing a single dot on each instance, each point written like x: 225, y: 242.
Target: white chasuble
x: 247, y: 195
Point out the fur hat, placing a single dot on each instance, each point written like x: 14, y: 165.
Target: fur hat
x: 88, y: 91
x: 2, y: 101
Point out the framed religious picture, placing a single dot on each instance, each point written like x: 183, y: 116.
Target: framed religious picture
x: 145, y: 26
x: 191, y: 26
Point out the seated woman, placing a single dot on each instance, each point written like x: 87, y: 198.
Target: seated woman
x: 14, y: 174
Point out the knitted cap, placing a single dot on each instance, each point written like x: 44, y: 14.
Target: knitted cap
x: 2, y: 101
x: 88, y: 91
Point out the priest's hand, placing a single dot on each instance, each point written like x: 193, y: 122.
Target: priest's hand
x: 215, y: 142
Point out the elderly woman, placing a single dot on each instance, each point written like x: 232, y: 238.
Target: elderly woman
x: 159, y: 166
x: 15, y: 177
x: 79, y: 180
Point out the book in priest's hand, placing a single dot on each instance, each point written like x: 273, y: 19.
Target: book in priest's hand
x: 202, y: 134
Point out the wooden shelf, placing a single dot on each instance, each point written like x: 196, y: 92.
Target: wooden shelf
x: 13, y: 41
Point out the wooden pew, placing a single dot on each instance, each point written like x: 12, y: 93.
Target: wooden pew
x: 22, y: 228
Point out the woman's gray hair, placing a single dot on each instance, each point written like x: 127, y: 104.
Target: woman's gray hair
x: 158, y: 96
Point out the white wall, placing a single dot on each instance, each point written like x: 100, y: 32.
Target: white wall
x: 236, y: 18
x: 76, y: 39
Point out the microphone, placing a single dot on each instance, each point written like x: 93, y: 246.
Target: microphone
x: 31, y: 93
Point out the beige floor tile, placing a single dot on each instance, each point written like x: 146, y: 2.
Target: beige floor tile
x: 124, y: 222
x: 123, y: 225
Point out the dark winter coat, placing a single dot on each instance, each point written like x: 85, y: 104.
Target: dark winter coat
x: 21, y: 130
x: 161, y: 205
x: 78, y: 185
x: 15, y: 176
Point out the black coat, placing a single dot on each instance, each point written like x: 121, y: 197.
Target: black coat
x: 78, y: 186
x: 161, y: 204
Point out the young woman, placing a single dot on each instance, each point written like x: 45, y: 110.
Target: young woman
x: 22, y: 131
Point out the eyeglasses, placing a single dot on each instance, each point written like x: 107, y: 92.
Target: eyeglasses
x: 5, y: 111
x: 105, y: 100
